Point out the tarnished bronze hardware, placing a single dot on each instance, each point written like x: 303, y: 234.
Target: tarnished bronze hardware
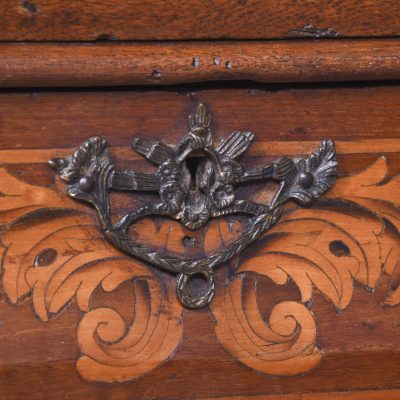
x: 193, y: 200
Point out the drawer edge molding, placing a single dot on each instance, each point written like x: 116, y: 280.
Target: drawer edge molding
x: 170, y: 63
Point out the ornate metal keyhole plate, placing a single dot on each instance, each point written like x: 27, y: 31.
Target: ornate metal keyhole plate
x: 193, y: 197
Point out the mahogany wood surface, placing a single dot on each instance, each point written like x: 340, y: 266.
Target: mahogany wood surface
x: 78, y: 64
x: 290, y: 118
x: 346, y: 344
x: 56, y: 20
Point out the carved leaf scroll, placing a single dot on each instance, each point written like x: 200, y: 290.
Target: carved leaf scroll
x: 353, y: 234
x: 56, y: 254
x: 52, y: 251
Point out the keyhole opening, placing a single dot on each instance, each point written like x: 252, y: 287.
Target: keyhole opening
x: 195, y: 162
x: 192, y: 164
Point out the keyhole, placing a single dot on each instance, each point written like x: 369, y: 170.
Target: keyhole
x: 192, y: 164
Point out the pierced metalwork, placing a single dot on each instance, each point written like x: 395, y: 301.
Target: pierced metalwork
x: 193, y: 200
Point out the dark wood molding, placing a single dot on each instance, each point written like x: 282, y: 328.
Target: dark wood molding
x: 54, y: 20
x: 35, y: 65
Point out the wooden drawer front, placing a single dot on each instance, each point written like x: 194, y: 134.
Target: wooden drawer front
x: 324, y: 279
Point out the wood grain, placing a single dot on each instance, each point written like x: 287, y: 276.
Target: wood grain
x: 357, y: 346
x: 55, y: 256
x: 322, y: 248
x: 364, y: 395
x: 74, y: 64
x: 55, y: 20
x: 42, y: 119
x: 64, y: 258
x: 84, y: 260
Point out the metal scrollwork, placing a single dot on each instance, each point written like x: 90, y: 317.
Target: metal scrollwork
x: 193, y: 200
